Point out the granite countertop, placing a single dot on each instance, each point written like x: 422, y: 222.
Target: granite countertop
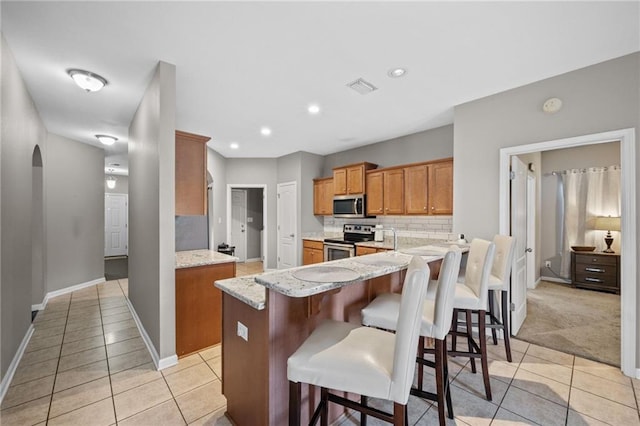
x: 246, y: 289
x: 191, y: 258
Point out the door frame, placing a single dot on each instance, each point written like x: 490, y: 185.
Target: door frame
x: 126, y: 220
x: 265, y: 222
x: 532, y: 241
x: 242, y: 240
x: 628, y: 272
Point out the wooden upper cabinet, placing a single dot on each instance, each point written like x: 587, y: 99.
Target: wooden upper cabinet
x: 441, y: 188
x: 191, y: 174
x: 429, y: 188
x: 323, y: 196
x: 375, y: 190
x: 385, y: 192
x: 415, y: 189
x: 351, y: 179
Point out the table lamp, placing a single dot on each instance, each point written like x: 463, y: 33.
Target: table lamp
x: 607, y: 223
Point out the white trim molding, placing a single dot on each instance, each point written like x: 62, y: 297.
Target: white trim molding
x: 6, y: 381
x: 52, y: 294
x: 160, y: 363
x: 628, y: 257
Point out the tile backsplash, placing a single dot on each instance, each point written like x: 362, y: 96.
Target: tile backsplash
x: 436, y: 227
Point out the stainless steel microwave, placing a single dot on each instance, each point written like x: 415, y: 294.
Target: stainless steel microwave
x: 349, y: 206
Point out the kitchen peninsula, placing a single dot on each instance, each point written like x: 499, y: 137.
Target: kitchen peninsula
x: 267, y: 316
x: 198, y: 303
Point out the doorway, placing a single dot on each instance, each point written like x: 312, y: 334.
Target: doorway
x: 246, y: 221
x: 115, y: 223
x: 287, y: 225
x: 628, y: 237
x: 37, y: 232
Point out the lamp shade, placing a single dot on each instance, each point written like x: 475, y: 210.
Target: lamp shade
x: 607, y: 223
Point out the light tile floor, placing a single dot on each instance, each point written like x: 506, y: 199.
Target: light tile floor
x: 86, y: 364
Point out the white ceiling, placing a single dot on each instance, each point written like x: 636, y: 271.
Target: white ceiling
x: 244, y: 65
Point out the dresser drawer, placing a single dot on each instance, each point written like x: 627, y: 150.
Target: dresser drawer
x: 601, y: 280
x: 596, y: 269
x: 595, y: 259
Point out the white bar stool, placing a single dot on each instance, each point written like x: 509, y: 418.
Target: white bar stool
x: 436, y: 321
x: 499, y: 281
x: 373, y: 363
x: 471, y: 296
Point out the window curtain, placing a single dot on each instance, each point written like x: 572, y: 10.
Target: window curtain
x: 586, y: 194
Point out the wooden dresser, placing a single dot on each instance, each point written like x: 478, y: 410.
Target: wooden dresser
x: 596, y: 271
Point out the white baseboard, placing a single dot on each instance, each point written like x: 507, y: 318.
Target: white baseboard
x: 535, y: 284
x: 637, y: 373
x: 52, y: 294
x: 254, y: 259
x: 6, y: 381
x: 554, y: 280
x: 160, y: 363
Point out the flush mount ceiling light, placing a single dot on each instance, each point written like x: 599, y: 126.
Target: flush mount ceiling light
x: 234, y: 145
x: 106, y: 139
x: 397, y: 72
x: 313, y: 109
x: 552, y: 105
x: 265, y: 131
x: 87, y: 80
x: 111, y: 182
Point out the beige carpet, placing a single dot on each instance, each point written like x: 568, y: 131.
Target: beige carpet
x: 580, y: 322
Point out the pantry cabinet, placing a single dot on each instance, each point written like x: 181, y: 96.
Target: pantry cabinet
x: 351, y: 179
x: 323, y: 196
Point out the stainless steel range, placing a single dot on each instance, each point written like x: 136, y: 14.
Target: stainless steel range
x: 341, y: 248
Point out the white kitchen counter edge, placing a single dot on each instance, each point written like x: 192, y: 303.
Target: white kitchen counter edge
x: 203, y: 257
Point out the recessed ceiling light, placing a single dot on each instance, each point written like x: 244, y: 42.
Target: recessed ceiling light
x: 397, y: 72
x: 87, y: 80
x: 313, y: 109
x: 234, y: 145
x: 106, y: 139
x: 265, y: 131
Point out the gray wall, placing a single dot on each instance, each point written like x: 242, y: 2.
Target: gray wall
x: 596, y: 99
x: 217, y: 168
x: 74, y: 212
x: 422, y: 146
x: 606, y: 154
x: 21, y: 131
x: 122, y: 185
x: 254, y: 171
x: 254, y: 213
x: 152, y: 210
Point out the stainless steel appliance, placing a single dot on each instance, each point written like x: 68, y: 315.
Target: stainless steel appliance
x: 349, y: 206
x: 341, y: 248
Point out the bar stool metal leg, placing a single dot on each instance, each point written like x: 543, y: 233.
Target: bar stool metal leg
x: 505, y: 324
x: 492, y: 316
x: 482, y: 329
x: 294, y: 403
x: 469, y: 338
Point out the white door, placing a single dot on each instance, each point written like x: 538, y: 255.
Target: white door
x: 531, y: 230
x: 239, y: 223
x: 115, y: 225
x: 287, y: 225
x: 519, y: 231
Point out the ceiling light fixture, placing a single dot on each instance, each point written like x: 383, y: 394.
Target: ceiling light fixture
x: 106, y: 139
x: 265, y: 131
x: 396, y: 72
x: 87, y: 80
x: 111, y: 182
x: 234, y: 145
x: 313, y: 109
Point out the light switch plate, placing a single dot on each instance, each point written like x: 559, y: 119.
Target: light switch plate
x: 243, y: 331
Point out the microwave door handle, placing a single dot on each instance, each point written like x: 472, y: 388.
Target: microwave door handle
x: 355, y: 205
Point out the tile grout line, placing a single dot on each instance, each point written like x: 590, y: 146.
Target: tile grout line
x: 113, y: 400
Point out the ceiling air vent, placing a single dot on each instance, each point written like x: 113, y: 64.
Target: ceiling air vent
x: 361, y: 86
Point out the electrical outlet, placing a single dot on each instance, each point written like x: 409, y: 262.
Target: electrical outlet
x: 243, y: 331
x: 547, y: 264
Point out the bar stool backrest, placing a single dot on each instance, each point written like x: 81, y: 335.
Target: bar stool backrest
x: 479, y: 265
x: 445, y: 293
x: 501, y: 269
x: 408, y: 329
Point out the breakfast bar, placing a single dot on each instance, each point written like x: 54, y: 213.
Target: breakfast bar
x: 267, y: 316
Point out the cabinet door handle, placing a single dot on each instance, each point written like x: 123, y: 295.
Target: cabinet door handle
x: 433, y: 207
x: 594, y: 270
x: 593, y: 280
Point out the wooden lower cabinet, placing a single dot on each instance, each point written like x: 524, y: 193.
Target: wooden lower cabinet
x: 198, y: 306
x: 312, y: 252
x: 362, y: 250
